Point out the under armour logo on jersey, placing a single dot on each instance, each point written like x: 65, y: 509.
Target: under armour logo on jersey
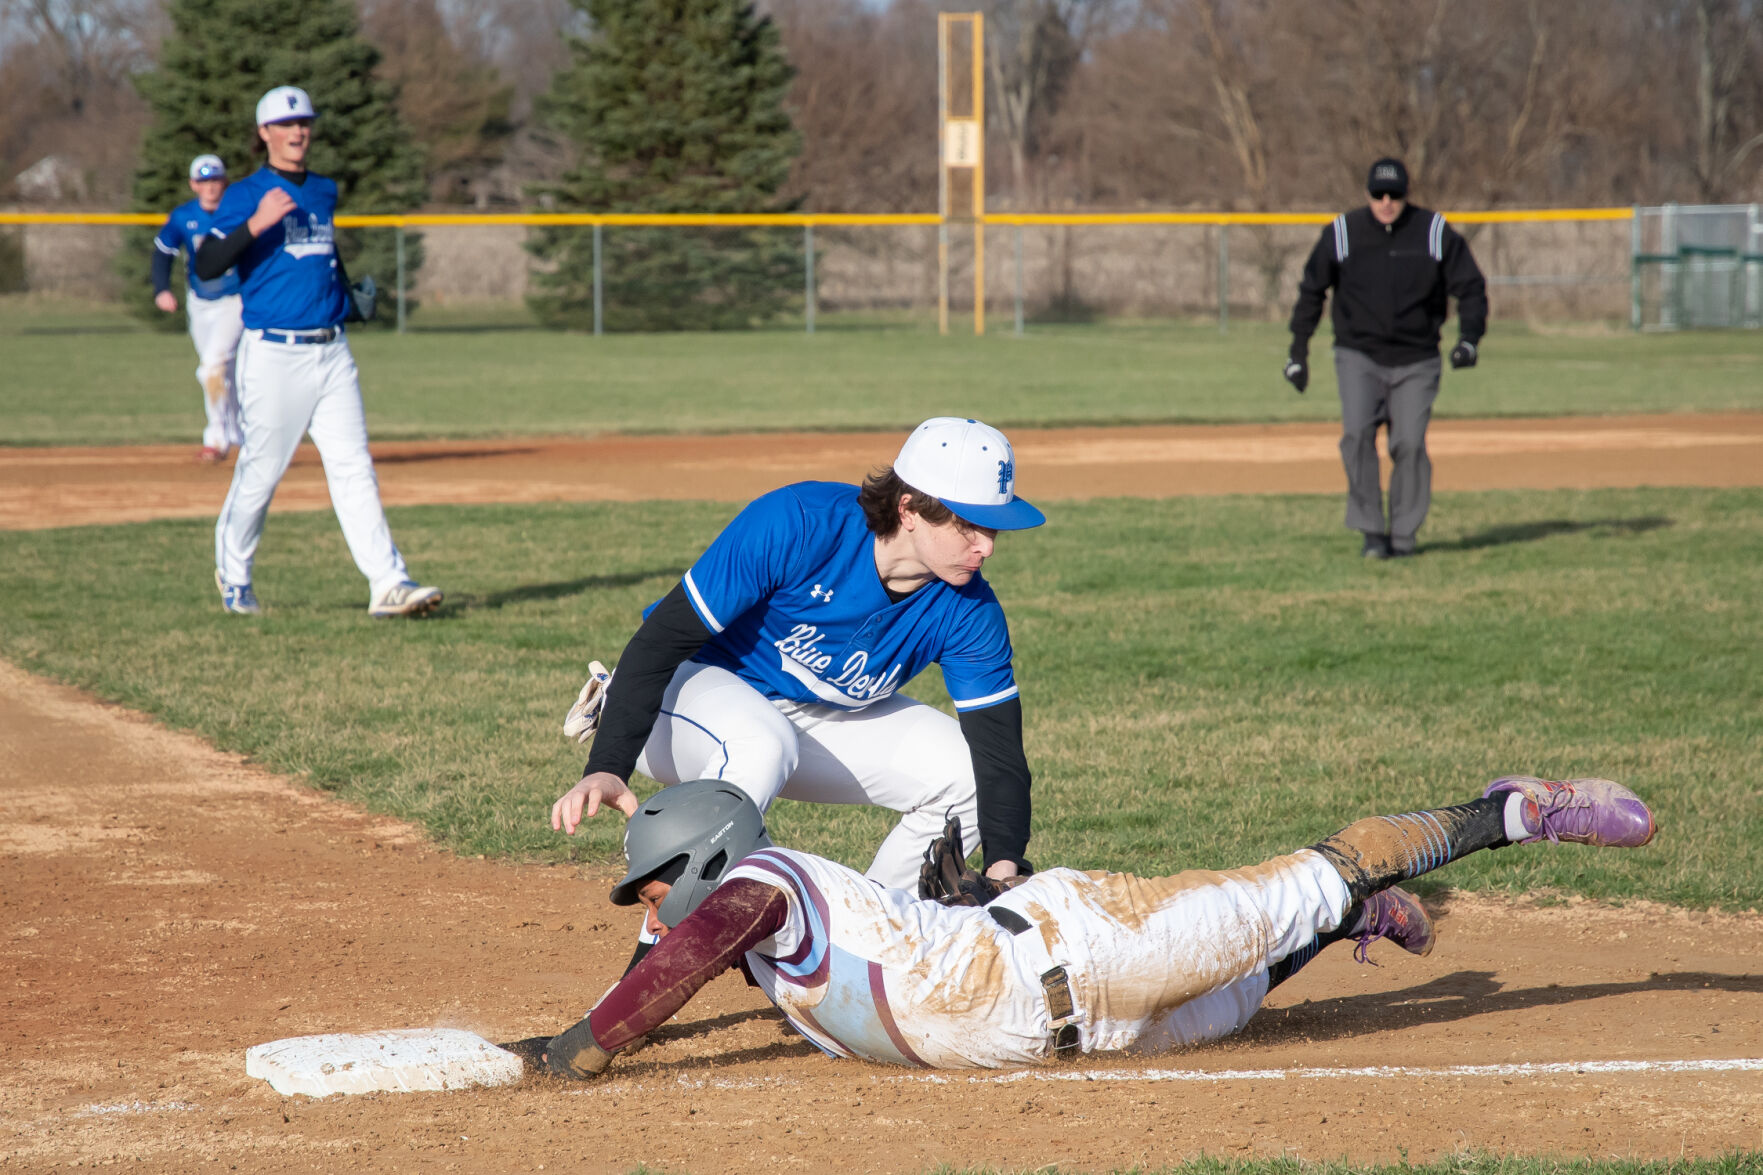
x: 1006, y: 475
x: 822, y: 594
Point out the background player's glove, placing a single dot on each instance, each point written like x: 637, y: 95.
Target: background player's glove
x: 1463, y: 354
x: 946, y: 876
x: 363, y: 300
x: 583, y: 718
x: 1297, y: 373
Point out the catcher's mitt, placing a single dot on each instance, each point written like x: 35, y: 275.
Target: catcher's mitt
x: 946, y: 876
x: 583, y: 718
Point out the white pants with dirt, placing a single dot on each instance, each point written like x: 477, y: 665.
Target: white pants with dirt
x: 898, y: 753
x: 215, y: 327
x: 287, y: 390
x: 1151, y: 963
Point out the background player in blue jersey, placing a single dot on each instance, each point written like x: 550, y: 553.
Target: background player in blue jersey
x: 296, y: 374
x: 774, y: 663
x: 212, y: 307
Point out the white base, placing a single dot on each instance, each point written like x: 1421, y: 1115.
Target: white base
x: 401, y: 1059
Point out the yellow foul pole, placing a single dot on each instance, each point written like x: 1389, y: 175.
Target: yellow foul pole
x: 979, y: 175
x: 943, y: 173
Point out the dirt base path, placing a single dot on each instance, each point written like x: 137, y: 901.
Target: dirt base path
x: 164, y: 906
x: 64, y: 487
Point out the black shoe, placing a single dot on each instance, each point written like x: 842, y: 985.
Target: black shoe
x: 1377, y: 546
x: 1403, y: 550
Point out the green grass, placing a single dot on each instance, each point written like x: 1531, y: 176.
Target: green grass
x: 1206, y: 681
x: 94, y: 376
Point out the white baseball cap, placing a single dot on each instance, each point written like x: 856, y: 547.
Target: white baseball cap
x: 968, y: 467
x: 207, y: 167
x: 284, y: 104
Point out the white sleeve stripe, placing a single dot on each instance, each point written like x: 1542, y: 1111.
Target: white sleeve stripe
x: 215, y: 232
x: 160, y: 245
x: 989, y: 699
x: 1435, y: 239
x: 1340, y: 238
x: 703, y: 609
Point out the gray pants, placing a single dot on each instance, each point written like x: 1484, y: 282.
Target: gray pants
x: 1401, y: 398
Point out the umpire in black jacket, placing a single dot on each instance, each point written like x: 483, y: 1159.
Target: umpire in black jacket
x: 1391, y: 265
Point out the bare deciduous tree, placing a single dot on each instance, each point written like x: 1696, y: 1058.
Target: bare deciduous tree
x: 1033, y: 49
x: 1728, y: 53
x: 65, y: 88
x: 453, y: 100
x: 865, y: 97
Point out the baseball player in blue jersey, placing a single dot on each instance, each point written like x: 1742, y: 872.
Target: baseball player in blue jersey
x: 774, y: 663
x: 212, y: 307
x: 295, y: 372
x: 1063, y: 962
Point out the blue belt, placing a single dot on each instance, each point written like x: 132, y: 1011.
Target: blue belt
x: 302, y: 336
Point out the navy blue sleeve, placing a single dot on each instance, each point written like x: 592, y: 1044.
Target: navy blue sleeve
x: 161, y: 271
x: 166, y: 244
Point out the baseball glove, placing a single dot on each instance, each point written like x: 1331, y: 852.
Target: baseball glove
x: 583, y: 718
x: 946, y: 877
x: 363, y: 300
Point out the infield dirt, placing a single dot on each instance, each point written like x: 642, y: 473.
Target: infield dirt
x: 63, y: 487
x: 166, y: 906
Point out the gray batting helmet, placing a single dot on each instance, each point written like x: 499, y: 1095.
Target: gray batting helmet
x: 702, y: 827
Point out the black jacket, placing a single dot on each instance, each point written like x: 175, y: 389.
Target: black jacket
x: 1390, y: 286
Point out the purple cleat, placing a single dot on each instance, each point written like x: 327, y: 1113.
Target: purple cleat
x: 1397, y: 915
x: 1596, y: 812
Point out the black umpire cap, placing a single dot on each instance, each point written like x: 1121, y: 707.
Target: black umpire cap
x: 1387, y: 175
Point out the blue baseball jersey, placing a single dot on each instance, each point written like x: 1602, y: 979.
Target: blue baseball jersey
x: 184, y: 229
x: 289, y: 275
x: 791, y: 593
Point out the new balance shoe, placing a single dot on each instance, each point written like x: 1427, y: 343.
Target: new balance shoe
x: 405, y: 599
x: 1596, y: 812
x: 1397, y: 915
x: 238, y: 599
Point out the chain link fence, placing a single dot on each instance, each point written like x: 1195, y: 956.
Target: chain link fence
x: 478, y: 273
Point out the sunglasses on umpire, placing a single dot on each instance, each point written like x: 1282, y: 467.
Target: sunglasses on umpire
x: 1386, y: 196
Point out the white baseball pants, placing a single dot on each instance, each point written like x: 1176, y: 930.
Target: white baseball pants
x: 214, y: 328
x: 898, y: 753
x: 287, y: 390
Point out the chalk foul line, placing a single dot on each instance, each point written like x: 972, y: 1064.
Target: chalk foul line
x: 1530, y: 1069
x: 1526, y: 1069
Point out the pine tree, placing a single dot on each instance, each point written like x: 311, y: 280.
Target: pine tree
x: 218, y: 60
x: 675, y: 106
